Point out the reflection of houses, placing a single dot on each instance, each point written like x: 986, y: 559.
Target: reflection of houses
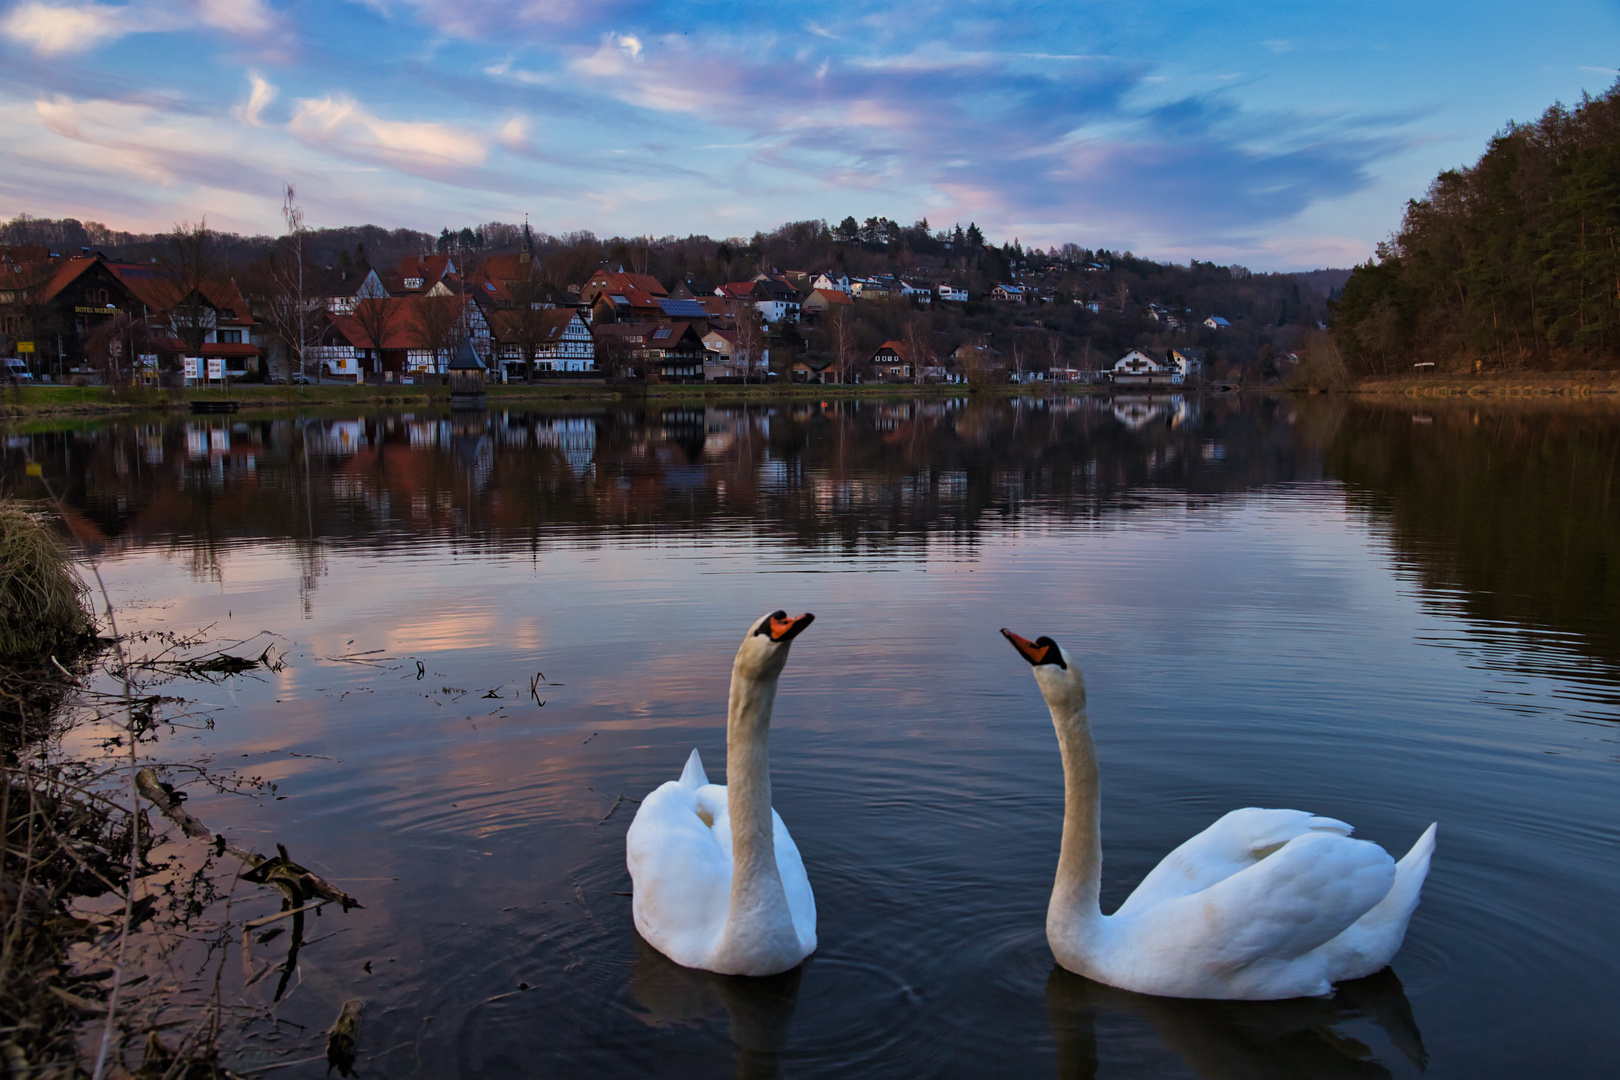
x: 1137, y: 413
x: 573, y: 436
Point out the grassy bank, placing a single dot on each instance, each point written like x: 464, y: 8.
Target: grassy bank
x: 93, y: 400
x: 1524, y: 384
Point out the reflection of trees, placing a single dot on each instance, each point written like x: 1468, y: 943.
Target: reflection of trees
x: 1510, y: 508
x: 863, y: 476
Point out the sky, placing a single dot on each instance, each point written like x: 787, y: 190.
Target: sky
x: 1279, y: 135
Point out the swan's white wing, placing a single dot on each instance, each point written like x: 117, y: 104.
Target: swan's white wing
x: 1234, y: 843
x: 1276, y: 910
x: 796, y: 883
x: 681, y: 874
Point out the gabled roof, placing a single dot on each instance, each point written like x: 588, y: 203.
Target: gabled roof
x: 431, y: 269
x: 832, y: 296
x: 341, y: 280
x: 552, y: 323
x: 502, y: 268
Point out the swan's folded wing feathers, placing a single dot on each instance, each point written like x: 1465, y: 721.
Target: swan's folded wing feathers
x: 1282, y: 907
x: 681, y: 877
x: 1235, y: 842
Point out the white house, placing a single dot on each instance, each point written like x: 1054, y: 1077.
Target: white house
x: 833, y: 284
x: 1215, y: 322
x: 951, y: 292
x: 1142, y: 368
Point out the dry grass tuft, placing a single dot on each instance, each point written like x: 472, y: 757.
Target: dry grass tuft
x: 43, y: 602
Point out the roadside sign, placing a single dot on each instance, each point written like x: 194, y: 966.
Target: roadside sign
x: 25, y: 346
x: 190, y: 367
x: 216, y: 368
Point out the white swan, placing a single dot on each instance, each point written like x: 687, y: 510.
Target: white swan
x: 1263, y: 904
x: 718, y: 882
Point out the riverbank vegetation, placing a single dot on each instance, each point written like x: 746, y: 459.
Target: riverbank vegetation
x: 114, y: 928
x: 1511, y: 264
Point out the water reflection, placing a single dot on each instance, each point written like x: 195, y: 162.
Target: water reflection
x: 1316, y: 1038
x: 759, y: 1010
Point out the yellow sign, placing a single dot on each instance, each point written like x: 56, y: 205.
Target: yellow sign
x: 35, y: 470
x: 25, y: 346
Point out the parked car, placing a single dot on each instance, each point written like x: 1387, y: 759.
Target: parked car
x: 18, y: 371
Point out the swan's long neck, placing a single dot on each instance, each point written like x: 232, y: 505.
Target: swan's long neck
x: 1074, y: 907
x: 759, y: 912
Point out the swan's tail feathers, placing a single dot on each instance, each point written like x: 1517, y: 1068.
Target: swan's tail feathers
x: 1391, y: 914
x: 693, y: 775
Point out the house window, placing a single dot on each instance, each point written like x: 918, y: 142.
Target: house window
x: 230, y: 337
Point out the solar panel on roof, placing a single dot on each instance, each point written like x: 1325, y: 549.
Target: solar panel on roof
x: 688, y: 309
x: 662, y: 332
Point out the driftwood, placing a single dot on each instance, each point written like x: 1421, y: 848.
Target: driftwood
x: 296, y: 881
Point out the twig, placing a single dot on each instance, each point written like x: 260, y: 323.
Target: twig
x: 266, y: 920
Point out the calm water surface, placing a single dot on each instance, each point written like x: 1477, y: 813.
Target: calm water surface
x: 1390, y: 615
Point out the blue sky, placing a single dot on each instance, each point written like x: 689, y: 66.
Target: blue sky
x: 1278, y: 135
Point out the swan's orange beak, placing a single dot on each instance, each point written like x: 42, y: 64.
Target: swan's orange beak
x: 785, y: 627
x: 1035, y: 654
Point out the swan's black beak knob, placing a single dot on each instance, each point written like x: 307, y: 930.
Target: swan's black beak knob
x: 1043, y: 650
x: 782, y: 627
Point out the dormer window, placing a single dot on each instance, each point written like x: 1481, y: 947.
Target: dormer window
x: 413, y: 283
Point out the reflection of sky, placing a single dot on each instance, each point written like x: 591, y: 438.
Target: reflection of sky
x: 1256, y: 650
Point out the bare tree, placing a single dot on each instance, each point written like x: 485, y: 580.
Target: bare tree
x: 1122, y: 293
x: 918, y: 339
x: 526, y: 322
x: 841, y: 330
x: 376, y: 317
x: 193, y: 262
x: 750, y: 334
x: 291, y: 315
x: 115, y: 346
x: 436, y: 324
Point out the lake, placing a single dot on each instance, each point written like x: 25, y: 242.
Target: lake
x: 1389, y: 613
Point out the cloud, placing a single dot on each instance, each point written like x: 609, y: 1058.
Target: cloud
x: 235, y: 16
x: 340, y: 125
x: 51, y: 29
x: 260, y: 94
x: 57, y: 29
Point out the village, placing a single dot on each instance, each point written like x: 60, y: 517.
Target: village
x: 94, y: 318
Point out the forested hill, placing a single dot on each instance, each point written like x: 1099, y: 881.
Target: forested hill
x: 1512, y: 264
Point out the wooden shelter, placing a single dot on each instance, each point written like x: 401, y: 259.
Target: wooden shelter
x: 467, y: 378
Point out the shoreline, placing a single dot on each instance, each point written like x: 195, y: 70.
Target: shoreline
x: 67, y: 401
x: 1522, y: 384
